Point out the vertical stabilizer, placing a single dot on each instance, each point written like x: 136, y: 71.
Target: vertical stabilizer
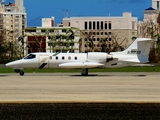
x: 140, y: 49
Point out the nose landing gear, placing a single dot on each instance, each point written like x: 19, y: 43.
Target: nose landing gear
x: 20, y: 71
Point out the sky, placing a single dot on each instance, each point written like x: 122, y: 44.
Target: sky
x: 38, y: 9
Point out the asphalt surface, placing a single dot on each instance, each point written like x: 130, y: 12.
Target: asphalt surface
x: 61, y: 96
x: 72, y: 87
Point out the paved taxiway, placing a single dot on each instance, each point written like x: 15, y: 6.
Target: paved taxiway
x: 71, y: 87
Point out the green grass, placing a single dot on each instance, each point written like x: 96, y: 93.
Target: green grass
x: 123, y: 69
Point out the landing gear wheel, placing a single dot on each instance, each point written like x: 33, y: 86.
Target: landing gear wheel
x: 84, y: 72
x: 21, y: 73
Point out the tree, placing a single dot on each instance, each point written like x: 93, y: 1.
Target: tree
x: 89, y: 38
x: 107, y: 43
x: 21, y: 40
x: 150, y: 29
x: 8, y: 45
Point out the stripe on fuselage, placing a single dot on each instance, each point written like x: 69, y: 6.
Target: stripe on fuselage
x: 43, y: 65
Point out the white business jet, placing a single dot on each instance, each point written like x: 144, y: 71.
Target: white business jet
x: 137, y: 52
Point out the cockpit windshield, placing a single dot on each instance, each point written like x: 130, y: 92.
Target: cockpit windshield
x: 30, y: 56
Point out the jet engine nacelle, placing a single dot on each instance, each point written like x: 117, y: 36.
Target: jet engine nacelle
x: 99, y: 57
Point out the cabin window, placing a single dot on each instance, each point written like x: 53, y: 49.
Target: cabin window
x: 69, y: 58
x: 30, y: 56
x: 63, y: 58
x: 56, y: 57
x: 50, y: 57
x: 75, y: 58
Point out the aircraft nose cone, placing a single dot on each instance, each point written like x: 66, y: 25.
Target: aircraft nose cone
x: 17, y: 63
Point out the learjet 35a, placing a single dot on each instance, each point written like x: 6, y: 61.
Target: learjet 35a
x: 137, y: 52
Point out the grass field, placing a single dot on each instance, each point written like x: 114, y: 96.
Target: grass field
x: 123, y: 69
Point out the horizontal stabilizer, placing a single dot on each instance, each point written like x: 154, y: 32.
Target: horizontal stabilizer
x: 80, y: 65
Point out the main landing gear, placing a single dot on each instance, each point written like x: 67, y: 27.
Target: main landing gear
x: 21, y: 72
x: 84, y: 71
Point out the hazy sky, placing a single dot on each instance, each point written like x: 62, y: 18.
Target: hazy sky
x: 37, y: 9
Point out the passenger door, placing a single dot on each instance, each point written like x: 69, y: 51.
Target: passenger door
x: 43, y: 61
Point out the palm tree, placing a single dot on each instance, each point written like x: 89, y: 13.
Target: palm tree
x: 70, y: 37
x: 21, y: 39
x: 80, y: 45
x: 158, y: 21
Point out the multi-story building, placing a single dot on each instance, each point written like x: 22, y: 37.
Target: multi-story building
x: 49, y: 38
x: 156, y: 4
x: 111, y: 27
x: 12, y: 20
x: 150, y: 21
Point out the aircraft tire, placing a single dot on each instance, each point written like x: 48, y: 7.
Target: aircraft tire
x: 21, y: 73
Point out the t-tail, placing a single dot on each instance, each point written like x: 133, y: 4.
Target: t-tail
x: 137, y: 52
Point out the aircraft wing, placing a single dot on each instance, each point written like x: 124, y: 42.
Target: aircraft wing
x: 80, y: 65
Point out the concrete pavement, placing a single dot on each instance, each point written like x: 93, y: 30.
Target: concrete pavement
x: 71, y: 87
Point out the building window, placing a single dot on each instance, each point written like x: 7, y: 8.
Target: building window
x: 50, y: 44
x: 98, y: 39
x: 101, y: 33
x: 109, y: 33
x: 133, y: 33
x: 97, y: 33
x: 157, y: 5
x: 90, y: 25
x: 71, y: 44
x: 133, y: 25
x: 106, y: 26
x: 43, y: 31
x: 110, y: 25
x: 94, y: 25
x: 69, y: 24
x: 85, y: 25
x: 97, y: 25
x: 105, y: 33
x: 64, y: 30
x: 101, y: 24
x: 51, y: 30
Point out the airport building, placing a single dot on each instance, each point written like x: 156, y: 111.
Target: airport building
x: 12, y: 20
x: 119, y: 28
